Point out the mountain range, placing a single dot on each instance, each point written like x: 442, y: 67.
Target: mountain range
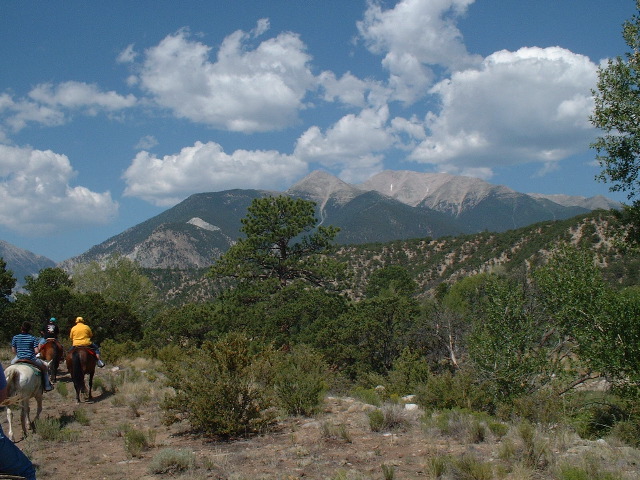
x: 392, y: 205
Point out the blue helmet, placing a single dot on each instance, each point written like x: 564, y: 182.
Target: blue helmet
x: 52, y: 319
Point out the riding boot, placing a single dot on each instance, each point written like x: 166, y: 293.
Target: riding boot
x: 47, y: 383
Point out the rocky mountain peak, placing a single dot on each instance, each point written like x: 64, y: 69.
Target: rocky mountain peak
x: 320, y: 186
x: 591, y: 203
x: 440, y: 191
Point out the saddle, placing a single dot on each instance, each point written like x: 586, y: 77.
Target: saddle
x: 35, y: 365
x: 83, y: 347
x: 39, y: 369
x: 54, y: 340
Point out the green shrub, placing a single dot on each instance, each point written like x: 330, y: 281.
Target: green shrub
x: 388, y: 472
x: 376, y: 420
x: 449, y: 391
x: 48, y: 428
x: 409, y: 372
x: 81, y: 416
x: 627, y: 431
x: 463, y: 467
x: 457, y: 423
x: 336, y: 432
x: 477, y: 432
x: 389, y: 417
x: 573, y: 472
x: 499, y: 429
x: 470, y: 467
x: 112, y: 351
x: 367, y: 395
x: 437, y: 466
x: 535, y: 450
x: 52, y: 429
x: 595, y: 417
x: 543, y: 407
x: 135, y: 442
x: 299, y: 381
x: 217, y: 389
x: 171, y: 461
x: 62, y: 389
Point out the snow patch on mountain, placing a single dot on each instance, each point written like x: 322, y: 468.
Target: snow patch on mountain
x: 198, y: 222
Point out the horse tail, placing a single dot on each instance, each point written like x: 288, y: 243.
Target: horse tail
x: 57, y: 353
x: 78, y: 374
x: 13, y: 379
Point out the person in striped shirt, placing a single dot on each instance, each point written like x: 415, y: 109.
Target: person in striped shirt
x: 25, y: 347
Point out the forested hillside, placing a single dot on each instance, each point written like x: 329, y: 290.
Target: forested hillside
x: 434, y: 261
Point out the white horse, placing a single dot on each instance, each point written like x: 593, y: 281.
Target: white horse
x: 23, y: 383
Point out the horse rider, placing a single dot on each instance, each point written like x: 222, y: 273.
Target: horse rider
x: 80, y: 336
x: 25, y: 346
x: 50, y: 330
x: 12, y: 460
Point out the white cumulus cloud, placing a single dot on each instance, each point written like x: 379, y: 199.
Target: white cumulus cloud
x: 517, y: 107
x: 353, y: 144
x: 36, y: 197
x: 413, y: 36
x: 77, y: 95
x: 205, y: 167
x: 127, y: 55
x: 48, y: 104
x: 244, y: 90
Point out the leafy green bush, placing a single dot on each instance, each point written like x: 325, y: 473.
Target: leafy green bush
x: 367, y: 395
x: 595, y: 416
x: 112, y: 351
x: 299, y: 381
x: 218, y: 389
x: 459, y: 390
x: 543, y: 406
x: 409, y: 372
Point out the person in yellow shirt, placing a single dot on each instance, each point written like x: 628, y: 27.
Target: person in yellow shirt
x: 80, y: 336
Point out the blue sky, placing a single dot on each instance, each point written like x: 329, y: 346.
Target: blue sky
x: 112, y: 112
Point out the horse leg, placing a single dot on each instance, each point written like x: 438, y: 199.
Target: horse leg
x: 38, y: 411
x: 24, y: 417
x: 90, y: 385
x: 54, y: 370
x: 9, y: 418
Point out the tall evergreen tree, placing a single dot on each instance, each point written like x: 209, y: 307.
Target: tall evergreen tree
x: 282, y: 244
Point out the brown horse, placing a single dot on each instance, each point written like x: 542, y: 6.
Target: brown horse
x: 81, y: 361
x: 52, y: 353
